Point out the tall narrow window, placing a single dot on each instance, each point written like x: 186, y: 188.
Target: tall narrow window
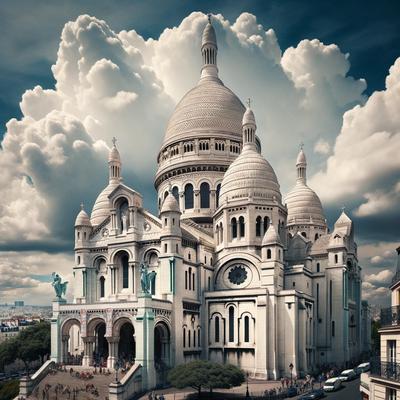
x: 246, y: 329
x: 333, y: 328
x: 204, y: 195
x: 269, y: 254
x: 189, y: 338
x: 330, y: 297
x: 209, y: 283
x: 194, y: 338
x: 184, y: 337
x: 217, y: 194
x: 153, y: 285
x: 234, y: 227
x: 216, y: 328
x: 189, y: 196
x: 186, y: 280
x: 336, y: 259
x: 391, y: 349
x: 193, y: 278
x: 190, y: 278
x: 317, y: 300
x: 231, y: 324
x: 125, y: 271
x: 258, y: 226
x: 102, y: 286
x: 241, y: 226
x: 175, y: 193
x: 266, y: 224
x: 198, y: 338
x: 318, y: 267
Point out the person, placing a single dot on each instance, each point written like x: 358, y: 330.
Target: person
x: 161, y: 397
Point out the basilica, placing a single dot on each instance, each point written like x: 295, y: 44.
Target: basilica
x: 236, y: 272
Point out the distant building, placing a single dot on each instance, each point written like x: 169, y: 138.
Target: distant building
x: 19, y: 303
x: 383, y: 381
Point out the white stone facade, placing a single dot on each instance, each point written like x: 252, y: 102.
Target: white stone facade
x: 242, y: 276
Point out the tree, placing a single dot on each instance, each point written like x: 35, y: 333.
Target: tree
x: 29, y: 345
x: 205, y: 374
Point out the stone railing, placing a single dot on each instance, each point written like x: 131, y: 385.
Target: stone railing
x: 27, y: 384
x: 390, y: 316
x: 128, y: 386
x: 387, y: 370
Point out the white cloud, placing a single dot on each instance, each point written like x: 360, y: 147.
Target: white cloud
x: 365, y: 165
x: 322, y: 147
x: 381, y: 278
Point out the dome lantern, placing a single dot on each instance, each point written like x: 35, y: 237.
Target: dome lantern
x: 301, y: 165
x: 249, y: 127
x: 114, y: 164
x: 209, y: 50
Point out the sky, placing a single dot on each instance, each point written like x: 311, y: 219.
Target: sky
x: 74, y: 74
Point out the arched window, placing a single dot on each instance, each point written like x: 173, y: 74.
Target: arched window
x: 184, y: 337
x: 246, y: 329
x: 318, y: 267
x: 304, y: 234
x: 258, y: 226
x: 216, y: 328
x: 241, y: 226
x: 102, y: 286
x: 231, y: 324
x: 333, y: 328
x: 125, y: 271
x: 198, y: 337
x: 336, y: 259
x: 269, y: 254
x: 190, y: 278
x: 175, y: 193
x: 189, y: 338
x: 266, y: 224
x: 186, y: 280
x: 221, y: 232
x: 316, y: 236
x: 209, y: 283
x: 189, y: 196
x: 165, y: 194
x: 234, y: 227
x: 204, y: 195
x: 194, y: 338
x: 217, y: 194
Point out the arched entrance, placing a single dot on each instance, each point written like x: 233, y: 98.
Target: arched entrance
x: 72, y: 345
x: 127, y: 345
x: 101, y: 345
x: 162, y: 340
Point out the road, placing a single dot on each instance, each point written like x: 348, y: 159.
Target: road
x: 349, y: 391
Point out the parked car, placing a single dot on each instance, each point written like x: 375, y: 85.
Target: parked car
x: 347, y: 375
x: 291, y: 392
x: 314, y: 394
x: 364, y: 367
x: 332, y: 384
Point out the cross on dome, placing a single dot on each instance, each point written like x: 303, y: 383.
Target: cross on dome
x: 248, y: 102
x: 114, y: 140
x: 209, y: 17
x: 301, y: 145
x: 82, y: 205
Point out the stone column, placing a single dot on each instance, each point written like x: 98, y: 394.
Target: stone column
x: 131, y: 219
x: 145, y: 340
x: 196, y: 199
x: 112, y: 351
x: 114, y: 227
x: 64, y: 352
x: 213, y: 199
x: 88, y: 342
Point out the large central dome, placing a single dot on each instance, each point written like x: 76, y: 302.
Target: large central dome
x: 210, y: 107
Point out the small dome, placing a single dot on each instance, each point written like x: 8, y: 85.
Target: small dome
x: 271, y: 236
x: 248, y: 117
x: 301, y: 158
x: 249, y: 175
x: 304, y: 205
x: 170, y: 204
x: 114, y: 155
x: 82, y: 219
x: 209, y: 36
x: 101, y: 208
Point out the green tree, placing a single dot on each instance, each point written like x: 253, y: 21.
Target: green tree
x: 205, y: 374
x: 30, y: 344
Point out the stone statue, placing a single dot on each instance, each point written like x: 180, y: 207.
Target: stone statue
x: 59, y: 288
x: 124, y: 220
x: 146, y: 277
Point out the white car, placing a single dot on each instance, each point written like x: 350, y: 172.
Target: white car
x: 347, y: 375
x: 332, y: 384
x: 364, y: 367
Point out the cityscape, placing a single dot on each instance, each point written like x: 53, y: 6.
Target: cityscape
x: 200, y: 203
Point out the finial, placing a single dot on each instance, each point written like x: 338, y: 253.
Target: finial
x: 248, y: 102
x: 343, y: 208
x: 209, y: 18
x: 114, y: 140
x: 301, y: 145
x: 82, y: 205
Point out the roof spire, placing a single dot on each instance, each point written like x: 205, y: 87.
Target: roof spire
x: 82, y: 205
x: 114, y: 140
x: 209, y: 51
x: 249, y: 126
x: 301, y: 165
x: 114, y: 163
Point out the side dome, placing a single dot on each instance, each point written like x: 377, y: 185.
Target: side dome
x: 250, y: 174
x: 82, y: 219
x: 170, y: 204
x: 101, y: 207
x: 304, y: 205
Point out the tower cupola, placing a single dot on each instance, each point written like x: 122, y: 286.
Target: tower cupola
x: 114, y: 164
x: 209, y: 50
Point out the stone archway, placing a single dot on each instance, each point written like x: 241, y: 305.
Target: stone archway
x: 100, y: 354
x: 71, y: 342
x: 162, y: 352
x: 127, y: 345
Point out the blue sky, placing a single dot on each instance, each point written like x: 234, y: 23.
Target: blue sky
x: 318, y: 73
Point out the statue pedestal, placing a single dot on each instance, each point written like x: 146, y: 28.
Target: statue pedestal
x: 144, y: 295
x: 59, y: 300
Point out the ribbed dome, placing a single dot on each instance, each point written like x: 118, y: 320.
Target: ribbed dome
x: 82, y: 219
x: 209, y: 36
x: 114, y: 154
x: 248, y: 117
x: 301, y: 158
x: 170, y: 204
x: 304, y: 205
x: 250, y: 174
x: 101, y: 208
x: 209, y: 107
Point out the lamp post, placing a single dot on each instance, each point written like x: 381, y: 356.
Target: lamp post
x: 291, y: 374
x: 247, y: 386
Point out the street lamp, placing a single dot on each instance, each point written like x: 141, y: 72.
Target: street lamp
x: 291, y: 374
x: 247, y: 386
